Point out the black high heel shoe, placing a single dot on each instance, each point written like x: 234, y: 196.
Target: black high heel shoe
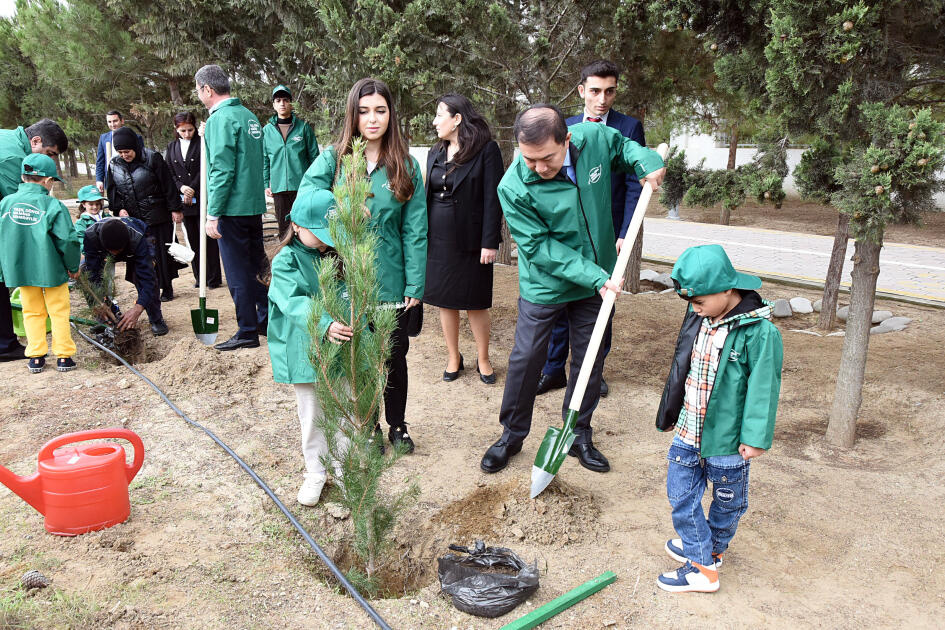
x: 452, y: 376
x: 488, y: 379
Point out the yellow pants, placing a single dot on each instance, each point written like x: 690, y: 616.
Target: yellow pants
x: 38, y: 302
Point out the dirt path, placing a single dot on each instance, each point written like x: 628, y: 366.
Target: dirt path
x: 833, y: 538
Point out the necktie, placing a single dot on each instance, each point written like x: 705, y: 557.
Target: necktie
x: 594, y: 119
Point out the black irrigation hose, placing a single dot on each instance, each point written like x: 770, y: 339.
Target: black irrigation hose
x: 262, y: 484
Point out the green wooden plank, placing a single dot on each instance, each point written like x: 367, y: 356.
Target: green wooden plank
x: 564, y: 602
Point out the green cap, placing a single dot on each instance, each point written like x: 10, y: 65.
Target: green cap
x: 706, y: 269
x: 311, y: 211
x: 41, y: 165
x: 281, y: 88
x: 90, y: 193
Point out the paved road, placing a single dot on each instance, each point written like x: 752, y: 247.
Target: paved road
x: 910, y: 271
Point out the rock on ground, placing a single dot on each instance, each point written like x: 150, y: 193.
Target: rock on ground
x: 648, y: 275
x: 801, y: 305
x: 664, y: 279
x: 843, y: 312
x: 782, y: 308
x: 818, y: 305
x: 890, y: 324
x: 881, y: 316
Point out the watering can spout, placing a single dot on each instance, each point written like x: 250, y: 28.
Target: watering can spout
x: 30, y: 488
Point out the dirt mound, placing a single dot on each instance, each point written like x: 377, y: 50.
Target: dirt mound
x: 190, y: 367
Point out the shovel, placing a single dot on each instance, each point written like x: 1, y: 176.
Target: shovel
x: 557, y: 442
x: 206, y: 321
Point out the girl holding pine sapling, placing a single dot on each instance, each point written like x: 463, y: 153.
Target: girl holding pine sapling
x: 398, y: 211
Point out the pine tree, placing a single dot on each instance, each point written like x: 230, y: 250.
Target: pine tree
x: 676, y: 182
x: 352, y: 376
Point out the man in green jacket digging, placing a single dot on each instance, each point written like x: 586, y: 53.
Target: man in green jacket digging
x: 289, y: 148
x: 556, y: 200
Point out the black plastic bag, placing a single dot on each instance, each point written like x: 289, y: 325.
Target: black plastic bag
x: 483, y: 593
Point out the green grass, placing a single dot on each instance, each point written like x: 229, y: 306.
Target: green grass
x: 48, y: 608
x: 147, y: 490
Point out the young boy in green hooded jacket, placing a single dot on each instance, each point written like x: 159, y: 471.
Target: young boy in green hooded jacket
x: 91, y: 210
x: 722, y: 398
x: 39, y: 252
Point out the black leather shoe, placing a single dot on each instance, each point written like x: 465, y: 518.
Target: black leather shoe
x: 546, y: 383
x: 235, y: 343
x: 16, y: 353
x: 488, y: 379
x: 590, y: 457
x: 604, y: 389
x: 167, y: 296
x: 159, y: 328
x: 498, y: 455
x: 262, y: 328
x: 452, y: 376
x: 398, y: 435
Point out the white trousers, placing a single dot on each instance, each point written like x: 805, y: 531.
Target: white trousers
x: 314, y: 444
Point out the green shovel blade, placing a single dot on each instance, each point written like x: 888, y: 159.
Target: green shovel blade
x: 206, y: 322
x: 552, y: 452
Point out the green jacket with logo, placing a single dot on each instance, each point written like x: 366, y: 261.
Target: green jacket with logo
x: 234, y: 161
x: 14, y: 146
x: 564, y: 231
x: 401, y: 227
x: 293, y: 285
x: 285, y: 161
x: 38, y: 243
x: 743, y: 403
x: 84, y: 221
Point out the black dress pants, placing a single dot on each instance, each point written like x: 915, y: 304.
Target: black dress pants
x: 244, y: 260
x: 8, y: 340
x: 283, y: 205
x: 214, y: 276
x: 395, y: 394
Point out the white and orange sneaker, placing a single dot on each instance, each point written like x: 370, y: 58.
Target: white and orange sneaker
x: 674, y: 550
x: 692, y: 577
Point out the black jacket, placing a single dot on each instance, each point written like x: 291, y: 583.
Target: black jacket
x: 185, y: 169
x: 144, y: 187
x: 479, y: 215
x: 138, y: 257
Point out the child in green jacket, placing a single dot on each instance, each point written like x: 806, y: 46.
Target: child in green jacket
x: 722, y: 398
x: 39, y: 252
x: 293, y: 283
x: 91, y: 210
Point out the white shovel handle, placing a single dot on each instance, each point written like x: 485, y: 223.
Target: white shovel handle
x: 203, y: 217
x: 620, y: 269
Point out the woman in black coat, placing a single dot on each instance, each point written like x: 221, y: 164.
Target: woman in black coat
x: 141, y: 186
x: 464, y: 218
x: 183, y: 158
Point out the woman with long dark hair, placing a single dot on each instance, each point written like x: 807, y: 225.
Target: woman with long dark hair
x: 399, y: 217
x: 463, y: 171
x: 183, y: 158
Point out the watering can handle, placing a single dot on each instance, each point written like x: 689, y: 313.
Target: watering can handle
x: 80, y: 436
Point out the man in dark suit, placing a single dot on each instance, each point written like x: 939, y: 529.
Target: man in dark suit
x: 114, y: 120
x: 598, y: 88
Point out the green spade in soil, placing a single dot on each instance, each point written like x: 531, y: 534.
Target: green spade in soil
x: 557, y: 442
x: 206, y: 321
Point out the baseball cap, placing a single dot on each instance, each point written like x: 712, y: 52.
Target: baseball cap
x: 281, y: 88
x: 41, y: 165
x: 311, y: 211
x: 89, y: 193
x: 706, y: 269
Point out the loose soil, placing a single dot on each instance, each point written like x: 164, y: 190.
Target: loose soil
x: 833, y: 538
x: 812, y: 218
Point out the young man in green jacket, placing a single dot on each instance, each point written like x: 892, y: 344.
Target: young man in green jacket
x: 289, y: 148
x: 722, y: 398
x: 44, y: 136
x: 556, y: 197
x: 235, y: 201
x: 39, y: 252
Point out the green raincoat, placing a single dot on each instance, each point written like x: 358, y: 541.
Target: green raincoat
x: 234, y: 161
x: 564, y: 231
x: 400, y: 227
x: 285, y: 161
x: 14, y: 146
x: 38, y: 243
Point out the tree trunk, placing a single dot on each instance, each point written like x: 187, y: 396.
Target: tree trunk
x: 732, y: 149
x: 73, y: 165
x: 88, y: 169
x: 725, y: 214
x: 504, y: 256
x: 631, y: 281
x: 828, y: 308
x: 841, y: 427
x: 175, y: 92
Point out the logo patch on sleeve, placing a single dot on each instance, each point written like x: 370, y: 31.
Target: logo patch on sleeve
x: 594, y: 175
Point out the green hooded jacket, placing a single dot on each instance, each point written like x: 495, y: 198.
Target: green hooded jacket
x: 14, y: 146
x: 285, y: 161
x: 294, y: 282
x: 401, y: 227
x: 234, y: 161
x: 743, y: 403
x: 564, y: 231
x: 83, y: 223
x: 38, y: 243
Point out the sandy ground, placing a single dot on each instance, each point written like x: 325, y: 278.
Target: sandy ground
x: 833, y: 538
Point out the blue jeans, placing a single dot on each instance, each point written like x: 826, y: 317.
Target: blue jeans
x: 686, y: 483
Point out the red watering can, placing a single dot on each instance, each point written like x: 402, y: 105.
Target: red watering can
x: 80, y: 488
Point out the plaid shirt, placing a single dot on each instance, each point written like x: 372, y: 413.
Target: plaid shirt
x: 703, y: 365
